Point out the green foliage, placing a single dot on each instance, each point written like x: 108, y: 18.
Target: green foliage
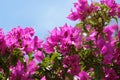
x: 1, y: 76
x: 116, y: 19
x: 15, y: 56
x: 98, y: 72
x: 51, y: 66
x: 69, y: 76
x: 30, y: 55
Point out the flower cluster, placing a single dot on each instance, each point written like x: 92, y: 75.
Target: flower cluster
x: 101, y: 41
x: 20, y: 50
x: 62, y: 39
x: 114, y: 7
x: 88, y: 51
x: 22, y: 38
x: 84, y: 10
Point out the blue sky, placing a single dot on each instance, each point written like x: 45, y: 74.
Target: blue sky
x: 42, y: 15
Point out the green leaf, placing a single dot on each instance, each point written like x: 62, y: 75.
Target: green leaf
x: 16, y: 52
x: 100, y: 20
x: 46, y: 62
x: 1, y: 77
x: 54, y: 56
x: 69, y: 76
x: 15, y: 56
x: 79, y: 25
x: 98, y: 72
x: 14, y: 60
x: 116, y: 19
x: 30, y: 55
x: 1, y: 62
x: 6, y: 71
x: 83, y: 66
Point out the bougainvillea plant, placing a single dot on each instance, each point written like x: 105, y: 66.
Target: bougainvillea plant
x: 88, y: 51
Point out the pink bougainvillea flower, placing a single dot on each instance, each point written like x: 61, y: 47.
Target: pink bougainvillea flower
x: 21, y: 72
x: 82, y: 10
x: 43, y: 78
x: 48, y: 47
x: 13, y: 36
x: 112, y: 5
x: 18, y: 72
x: 38, y: 55
x: 37, y: 42
x: 63, y: 48
x: 73, y: 16
x: 19, y: 38
x: 73, y: 63
x: 70, y: 35
x: 110, y: 74
x: 1, y: 34
x: 2, y: 42
x: 82, y: 76
x: 109, y: 3
x: 31, y: 66
x: 106, y: 49
x: 62, y: 39
x: 29, y: 31
x: 110, y: 31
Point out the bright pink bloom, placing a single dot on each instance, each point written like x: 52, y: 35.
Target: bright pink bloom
x: 73, y: 63
x: 106, y: 49
x: 82, y: 10
x: 38, y: 55
x: 43, y: 78
x: 2, y: 42
x: 63, y: 39
x: 21, y: 72
x: 83, y: 76
x: 73, y: 16
x: 19, y: 37
x: 112, y: 5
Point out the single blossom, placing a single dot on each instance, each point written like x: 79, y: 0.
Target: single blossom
x: 37, y: 43
x: 73, y: 16
x: 82, y: 10
x: 82, y: 76
x: 43, y: 78
x: 39, y: 56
